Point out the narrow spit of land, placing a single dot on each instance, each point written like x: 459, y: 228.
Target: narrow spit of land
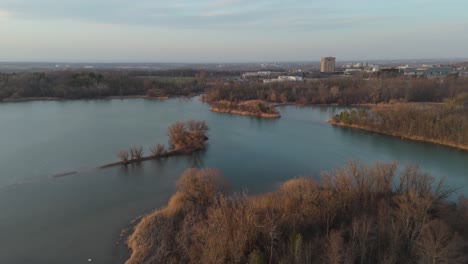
x: 185, y: 138
x: 169, y: 153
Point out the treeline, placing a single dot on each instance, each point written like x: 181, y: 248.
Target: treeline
x: 444, y: 124
x: 343, y: 91
x: 187, y: 82
x: 90, y: 84
x: 357, y: 214
x: 185, y: 73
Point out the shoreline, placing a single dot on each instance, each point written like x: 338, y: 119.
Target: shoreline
x: 271, y: 104
x: 45, y: 99
x: 244, y: 113
x: 413, y: 138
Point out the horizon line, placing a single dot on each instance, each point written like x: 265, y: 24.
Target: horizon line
x: 231, y: 62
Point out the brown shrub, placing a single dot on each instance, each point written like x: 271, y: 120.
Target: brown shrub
x: 201, y: 186
x: 136, y: 153
x: 356, y: 214
x: 187, y: 135
x: 123, y: 155
x: 157, y: 150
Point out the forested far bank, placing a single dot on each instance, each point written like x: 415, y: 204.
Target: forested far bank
x: 344, y: 91
x: 356, y: 214
x: 99, y: 84
x: 224, y: 86
x: 445, y: 124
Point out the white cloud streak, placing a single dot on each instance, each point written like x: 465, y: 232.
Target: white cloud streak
x: 4, y: 15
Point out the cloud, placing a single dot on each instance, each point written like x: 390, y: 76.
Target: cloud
x: 227, y: 2
x: 209, y: 14
x: 4, y: 15
x: 219, y: 13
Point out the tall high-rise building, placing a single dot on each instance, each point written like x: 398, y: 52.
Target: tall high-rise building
x: 327, y: 64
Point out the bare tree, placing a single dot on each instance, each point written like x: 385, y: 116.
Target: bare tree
x: 436, y: 244
x: 136, y: 152
x: 334, y: 253
x: 157, y: 150
x: 201, y: 186
x: 123, y: 155
x: 187, y: 135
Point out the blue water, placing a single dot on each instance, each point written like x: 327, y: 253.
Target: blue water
x: 79, y: 217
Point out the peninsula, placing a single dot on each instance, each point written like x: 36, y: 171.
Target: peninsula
x: 356, y: 214
x: 442, y: 124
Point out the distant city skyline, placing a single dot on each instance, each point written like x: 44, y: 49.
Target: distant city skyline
x: 224, y: 31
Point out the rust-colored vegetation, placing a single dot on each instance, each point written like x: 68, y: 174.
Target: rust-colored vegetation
x: 343, y: 91
x: 184, y: 138
x: 357, y: 214
x: 249, y: 108
x: 445, y: 124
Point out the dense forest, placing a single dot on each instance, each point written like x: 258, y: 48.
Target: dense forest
x: 439, y: 123
x: 343, y: 91
x: 187, y: 82
x: 356, y: 214
x: 89, y: 84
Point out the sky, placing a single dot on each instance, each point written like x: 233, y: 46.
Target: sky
x: 200, y: 31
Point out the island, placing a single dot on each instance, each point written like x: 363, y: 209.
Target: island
x: 255, y: 108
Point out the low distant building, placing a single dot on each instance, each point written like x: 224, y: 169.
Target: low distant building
x: 327, y: 64
x: 352, y: 71
x: 272, y: 80
x: 291, y: 78
x: 259, y: 74
x: 427, y: 71
x: 284, y: 79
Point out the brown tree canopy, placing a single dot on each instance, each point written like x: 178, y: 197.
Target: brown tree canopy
x: 355, y: 214
x: 187, y: 135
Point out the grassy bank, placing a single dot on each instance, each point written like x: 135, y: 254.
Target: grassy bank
x: 355, y: 214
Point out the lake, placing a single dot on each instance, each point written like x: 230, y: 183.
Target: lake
x: 79, y: 217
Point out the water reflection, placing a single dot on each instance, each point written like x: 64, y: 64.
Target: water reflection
x: 132, y: 169
x: 196, y: 159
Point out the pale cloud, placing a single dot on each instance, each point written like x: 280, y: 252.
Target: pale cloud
x: 224, y: 30
x: 4, y: 15
x: 218, y: 13
x: 228, y: 2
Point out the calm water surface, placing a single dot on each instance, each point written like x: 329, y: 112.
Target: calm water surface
x: 76, y: 218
